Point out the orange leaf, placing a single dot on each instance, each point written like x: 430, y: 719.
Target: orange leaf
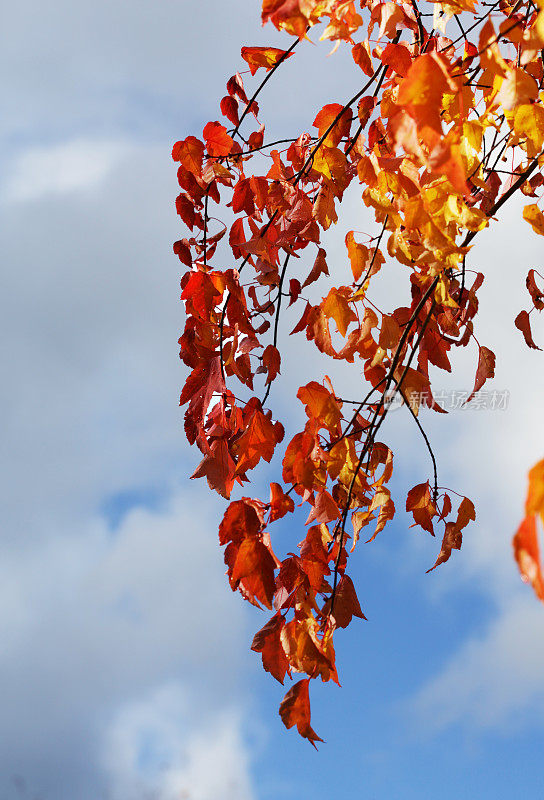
x: 266, y: 57
x: 336, y: 305
x: 358, y: 256
x: 527, y: 555
x: 324, y: 209
x: 421, y: 91
x: 325, y: 119
x: 242, y: 519
x: 346, y: 604
x: 319, y: 268
x: 420, y: 504
x: 535, y: 496
x: 190, y: 153
x: 295, y: 710
x: 453, y: 538
x: 324, y: 510
x: 320, y: 404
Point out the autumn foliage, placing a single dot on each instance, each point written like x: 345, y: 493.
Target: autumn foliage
x: 446, y: 124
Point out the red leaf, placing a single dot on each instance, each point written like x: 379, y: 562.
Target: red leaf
x: 485, y: 369
x: 186, y: 210
x: 295, y: 710
x: 218, y: 467
x: 271, y: 362
x: 183, y: 252
x: 218, y: 142
x: 523, y: 324
x: 253, y: 568
x: 280, y: 503
x: 398, y: 57
x: 267, y: 641
x: 536, y: 295
x: 229, y: 109
x: 361, y: 56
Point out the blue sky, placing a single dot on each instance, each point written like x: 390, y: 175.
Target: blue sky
x: 125, y: 665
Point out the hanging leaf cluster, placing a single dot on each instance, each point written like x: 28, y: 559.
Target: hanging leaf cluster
x: 445, y: 124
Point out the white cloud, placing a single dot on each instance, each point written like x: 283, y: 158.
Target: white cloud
x: 96, y: 622
x: 96, y: 627
x: 74, y: 166
x: 148, y: 751
x: 494, y: 680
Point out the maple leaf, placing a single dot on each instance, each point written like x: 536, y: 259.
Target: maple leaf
x: 203, y: 382
x: 305, y: 651
x: 258, y: 441
x: 267, y: 57
x: 295, y: 710
x: 243, y: 519
x: 324, y: 510
x: 327, y: 116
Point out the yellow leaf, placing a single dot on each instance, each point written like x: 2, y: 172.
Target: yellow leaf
x: 534, y: 216
x: 529, y: 122
x: 517, y: 88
